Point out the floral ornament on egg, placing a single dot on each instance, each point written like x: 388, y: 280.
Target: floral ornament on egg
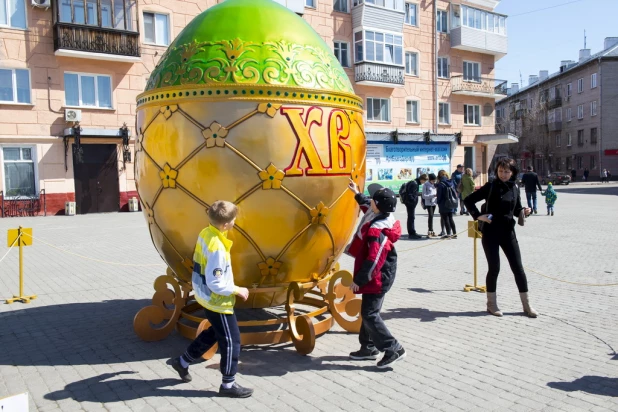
x: 149, y: 212
x: 271, y: 177
x: 318, y: 214
x: 168, y: 176
x: 215, y: 135
x: 269, y: 108
x: 168, y: 110
x: 269, y: 267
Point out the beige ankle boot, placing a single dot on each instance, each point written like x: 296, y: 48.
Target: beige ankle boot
x: 530, y: 312
x: 492, y: 304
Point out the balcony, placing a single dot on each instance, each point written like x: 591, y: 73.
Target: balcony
x: 554, y: 125
x: 479, y: 41
x: 480, y: 87
x: 555, y: 102
x: 378, y: 74
x: 386, y: 15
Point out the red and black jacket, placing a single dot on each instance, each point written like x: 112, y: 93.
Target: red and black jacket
x: 373, y: 249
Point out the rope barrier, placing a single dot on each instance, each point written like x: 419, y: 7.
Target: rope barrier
x: 430, y: 244
x: 10, y: 248
x: 93, y: 259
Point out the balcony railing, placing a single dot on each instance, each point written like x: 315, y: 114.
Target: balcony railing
x: 555, y: 102
x: 20, y: 206
x: 69, y: 36
x: 379, y: 74
x: 479, y: 86
x: 554, y: 125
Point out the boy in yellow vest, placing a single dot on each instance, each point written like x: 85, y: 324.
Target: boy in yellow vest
x: 214, y: 289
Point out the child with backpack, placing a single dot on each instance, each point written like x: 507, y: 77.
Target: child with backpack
x: 550, y: 198
x: 448, y: 201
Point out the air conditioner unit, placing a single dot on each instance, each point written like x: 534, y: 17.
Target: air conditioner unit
x: 69, y: 208
x: 456, y: 10
x: 72, y: 115
x: 133, y: 205
x: 44, y: 4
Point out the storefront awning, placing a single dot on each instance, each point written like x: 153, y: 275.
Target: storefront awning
x: 503, y: 138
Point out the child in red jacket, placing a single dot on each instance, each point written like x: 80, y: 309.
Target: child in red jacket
x: 375, y: 264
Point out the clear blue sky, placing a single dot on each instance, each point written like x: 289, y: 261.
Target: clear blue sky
x: 540, y: 39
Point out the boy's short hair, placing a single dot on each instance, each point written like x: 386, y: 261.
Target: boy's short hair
x: 222, y: 212
x: 423, y: 177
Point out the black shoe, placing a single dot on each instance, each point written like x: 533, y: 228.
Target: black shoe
x: 414, y: 236
x: 445, y: 237
x: 454, y: 237
x: 182, y: 372
x: 392, y: 357
x: 236, y: 391
x: 365, y: 354
x: 535, y: 212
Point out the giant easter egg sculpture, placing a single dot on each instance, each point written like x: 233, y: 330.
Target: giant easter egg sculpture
x: 250, y: 105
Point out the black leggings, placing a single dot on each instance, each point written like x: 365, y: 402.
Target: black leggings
x: 492, y: 242
x: 449, y: 223
x: 430, y: 211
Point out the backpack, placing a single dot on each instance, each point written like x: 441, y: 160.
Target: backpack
x: 405, y: 196
x: 452, y: 200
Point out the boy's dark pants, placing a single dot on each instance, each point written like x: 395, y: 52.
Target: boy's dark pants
x: 224, y: 331
x: 373, y: 332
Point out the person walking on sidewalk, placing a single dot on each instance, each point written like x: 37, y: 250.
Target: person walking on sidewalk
x: 447, y: 204
x: 586, y: 174
x: 531, y: 182
x: 604, y: 176
x: 503, y: 206
x: 408, y: 194
x: 456, y: 179
x: 375, y: 266
x: 430, y: 197
x: 550, y: 198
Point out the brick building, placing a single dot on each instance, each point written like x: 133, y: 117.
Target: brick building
x: 70, y: 71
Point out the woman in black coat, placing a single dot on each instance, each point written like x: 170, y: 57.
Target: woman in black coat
x: 503, y: 207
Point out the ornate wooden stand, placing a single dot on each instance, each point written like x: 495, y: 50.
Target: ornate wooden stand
x: 175, y: 308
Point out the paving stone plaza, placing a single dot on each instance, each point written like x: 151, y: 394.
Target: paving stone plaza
x: 73, y: 348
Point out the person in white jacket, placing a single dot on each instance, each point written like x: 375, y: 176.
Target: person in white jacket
x: 430, y: 200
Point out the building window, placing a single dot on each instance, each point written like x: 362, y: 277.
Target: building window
x: 389, y: 4
x: 593, y: 108
x: 411, y: 14
x: 310, y: 3
x: 593, y: 80
x: 444, y: 113
x: 580, y: 137
x: 569, y: 89
x: 412, y: 110
x: 378, y: 110
x: 593, y: 162
x: 569, y: 161
x: 580, y: 85
x: 15, y: 86
x: 569, y: 115
x: 443, y: 67
x: 341, y: 6
x: 412, y: 63
x: 569, y: 140
x: 558, y: 163
x: 472, y: 114
x: 88, y: 90
x: 472, y: 72
x: 442, y: 21
x: 580, y: 111
x: 113, y: 14
x: 580, y: 162
x: 558, y: 140
x: 13, y: 13
x: 481, y: 20
x: 156, y: 29
x: 593, y: 135
x: 342, y: 52
x: 378, y: 47
x: 19, y: 178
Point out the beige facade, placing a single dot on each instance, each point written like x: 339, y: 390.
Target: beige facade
x: 107, y: 59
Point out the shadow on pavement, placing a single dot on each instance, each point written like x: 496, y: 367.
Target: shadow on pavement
x: 597, y: 385
x: 426, y: 315
x: 100, y: 389
x: 593, y: 190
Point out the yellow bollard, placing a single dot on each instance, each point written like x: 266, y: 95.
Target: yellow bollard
x: 473, y: 232
x: 23, y: 237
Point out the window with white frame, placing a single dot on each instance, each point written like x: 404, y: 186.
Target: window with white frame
x: 13, y: 13
x: 19, y: 171
x: 310, y: 3
x: 378, y: 47
x: 580, y: 111
x: 481, y: 20
x: 472, y: 114
x: 558, y: 140
x: 569, y: 115
x: 411, y: 17
x: 412, y: 111
x: 471, y: 71
x: 342, y: 52
x: 15, y: 86
x: 569, y: 89
x: 110, y: 14
x: 442, y: 21
x: 378, y: 110
x: 593, y: 80
x: 341, y: 6
x: 388, y: 4
x: 580, y: 85
x: 88, y: 90
x: 444, y: 110
x: 412, y: 63
x: 156, y: 28
x: 569, y: 141
x: 593, y: 108
x: 443, y: 67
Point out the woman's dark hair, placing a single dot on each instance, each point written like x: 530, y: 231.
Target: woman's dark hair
x: 507, y: 163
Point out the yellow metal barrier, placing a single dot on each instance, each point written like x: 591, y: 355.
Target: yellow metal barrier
x: 17, y: 236
x: 474, y: 233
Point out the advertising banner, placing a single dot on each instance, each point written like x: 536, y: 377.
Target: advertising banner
x: 391, y: 165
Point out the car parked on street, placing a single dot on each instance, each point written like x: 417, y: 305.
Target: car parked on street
x: 556, y: 178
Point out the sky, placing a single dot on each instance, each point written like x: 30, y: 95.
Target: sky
x: 539, y: 39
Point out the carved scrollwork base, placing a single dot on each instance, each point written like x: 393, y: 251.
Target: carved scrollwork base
x: 302, y: 331
x: 204, y: 325
x: 342, y: 300
x: 166, y: 307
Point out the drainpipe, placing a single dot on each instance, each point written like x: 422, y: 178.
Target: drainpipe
x: 435, y: 65
x: 600, y: 136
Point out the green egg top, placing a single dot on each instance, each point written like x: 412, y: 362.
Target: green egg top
x: 250, y: 42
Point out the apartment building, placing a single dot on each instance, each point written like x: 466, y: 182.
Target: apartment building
x: 70, y: 71
x: 567, y: 120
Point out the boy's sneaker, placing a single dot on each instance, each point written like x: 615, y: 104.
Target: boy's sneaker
x: 552, y: 212
x: 182, y: 372
x: 365, y: 354
x: 392, y: 357
x: 236, y: 391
